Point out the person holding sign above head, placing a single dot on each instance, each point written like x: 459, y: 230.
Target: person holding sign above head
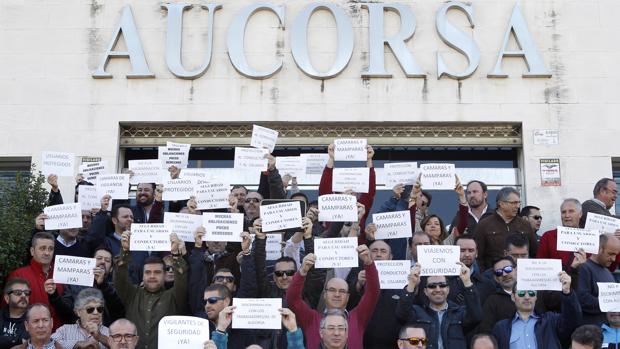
x: 145, y: 306
x: 147, y: 208
x: 527, y: 328
x: 444, y: 321
x: 492, y: 231
x: 336, y: 296
x: 476, y: 193
x: 605, y: 192
x: 366, y: 199
x: 88, y: 332
x: 594, y: 270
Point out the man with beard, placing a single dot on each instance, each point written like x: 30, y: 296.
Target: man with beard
x: 484, y: 286
x: 147, y: 209
x: 251, y: 208
x: 12, y: 330
x: 476, y: 194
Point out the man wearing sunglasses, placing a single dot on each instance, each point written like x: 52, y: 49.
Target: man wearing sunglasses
x: 444, y: 321
x: 499, y: 305
x: 412, y: 337
x: 527, y: 328
x: 12, y: 317
x: 532, y: 215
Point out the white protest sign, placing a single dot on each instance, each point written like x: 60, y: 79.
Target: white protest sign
x: 210, y: 196
x: 257, y: 313
x: 263, y: 137
x: 604, y: 224
x: 183, y: 224
x: 572, y: 239
x: 150, y: 237
x: 280, y: 216
x: 438, y: 176
x: 337, y: 208
x: 393, y: 274
x: 439, y: 260
x: 609, y: 296
x: 182, y: 332
x: 177, y: 189
x: 90, y: 170
x: 350, y: 149
x: 145, y: 171
x: 315, y: 163
x: 273, y: 247
x: 539, y: 274
x: 353, y: 178
x: 336, y: 253
x: 400, y: 173
x: 178, y: 145
x: 60, y: 164
x: 88, y: 198
x: 70, y: 270
x: 115, y: 185
x: 197, y: 175
x: 294, y: 166
x: 64, y: 216
x: 173, y: 156
x: 222, y: 226
x: 250, y: 159
x: 392, y: 225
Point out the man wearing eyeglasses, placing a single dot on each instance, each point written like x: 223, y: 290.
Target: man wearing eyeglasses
x: 530, y: 329
x: 412, y: 337
x: 12, y: 317
x: 444, y: 321
x: 334, y: 330
x: 492, y: 231
x: 124, y: 334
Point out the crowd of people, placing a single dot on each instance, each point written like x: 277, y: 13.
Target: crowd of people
x: 332, y: 308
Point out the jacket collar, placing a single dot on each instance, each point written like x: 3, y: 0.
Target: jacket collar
x: 38, y: 267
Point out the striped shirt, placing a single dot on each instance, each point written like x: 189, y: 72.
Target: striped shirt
x: 68, y: 335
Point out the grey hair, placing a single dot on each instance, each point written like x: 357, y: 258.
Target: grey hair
x: 502, y: 194
x: 334, y: 312
x: 123, y: 321
x: 574, y: 201
x: 86, y: 296
x: 602, y: 183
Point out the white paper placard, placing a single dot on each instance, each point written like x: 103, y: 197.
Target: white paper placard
x: 350, y: 149
x: 90, y: 170
x: 400, y: 173
x: 210, y: 196
x: 58, y: 163
x: 183, y: 224
x: 197, y: 175
x: 392, y: 225
x: 539, y: 274
x: 439, y: 260
x: 115, y: 185
x: 438, y: 176
x: 609, y: 296
x: 294, y: 166
x: 178, y: 189
x: 64, y: 216
x: 182, y: 332
x: 185, y: 146
x: 88, y: 198
x: 604, y: 224
x: 280, y: 216
x: 315, y: 163
x: 250, y: 159
x: 145, y: 171
x: 352, y: 178
x: 273, y: 247
x: 173, y: 156
x: 393, y: 274
x: 337, y: 208
x: 150, y: 237
x: 572, y: 239
x: 336, y: 253
x: 264, y: 138
x: 70, y: 270
x: 257, y: 313
x: 222, y: 226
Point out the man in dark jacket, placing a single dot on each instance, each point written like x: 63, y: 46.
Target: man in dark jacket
x: 492, y: 231
x: 12, y: 330
x: 527, y: 328
x: 605, y: 192
x: 445, y: 322
x: 477, y: 196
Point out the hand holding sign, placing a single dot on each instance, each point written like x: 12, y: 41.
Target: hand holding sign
x: 288, y: 319
x: 307, y: 263
x: 413, y: 280
x: 565, y: 279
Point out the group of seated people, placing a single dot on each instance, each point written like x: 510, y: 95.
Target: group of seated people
x: 331, y: 308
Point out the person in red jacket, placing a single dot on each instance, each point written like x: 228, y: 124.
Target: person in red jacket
x: 39, y: 270
x: 336, y: 296
x: 366, y: 199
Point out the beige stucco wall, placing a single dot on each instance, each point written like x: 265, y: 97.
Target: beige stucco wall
x: 49, y: 101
